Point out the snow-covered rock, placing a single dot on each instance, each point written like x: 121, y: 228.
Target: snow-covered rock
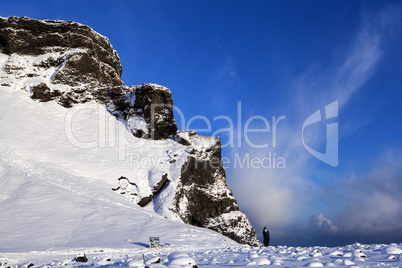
x: 81, y: 257
x: 314, y: 264
x: 336, y: 253
x: 259, y: 261
x: 183, y: 261
x: 176, y: 255
x: 392, y: 249
x: 136, y: 263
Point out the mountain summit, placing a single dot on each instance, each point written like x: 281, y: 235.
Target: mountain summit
x: 70, y: 64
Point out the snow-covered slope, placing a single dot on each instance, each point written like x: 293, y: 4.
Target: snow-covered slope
x: 54, y: 194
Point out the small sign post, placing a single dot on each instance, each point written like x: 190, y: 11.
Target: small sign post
x: 154, y: 242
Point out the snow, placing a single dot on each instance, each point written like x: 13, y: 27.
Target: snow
x: 183, y: 261
x: 226, y: 218
x: 135, y: 123
x: 25, y: 71
x: 314, y: 264
x: 159, y: 87
x: 392, y: 249
x: 201, y: 144
x: 259, y: 261
x: 193, y: 254
x: 176, y: 255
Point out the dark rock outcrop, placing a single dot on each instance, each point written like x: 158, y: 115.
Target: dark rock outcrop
x: 155, y: 190
x: 84, y: 56
x: 156, y: 105
x: 208, y: 197
x: 197, y: 177
x: 147, y: 109
x: 43, y: 93
x: 132, y: 191
x: 81, y: 258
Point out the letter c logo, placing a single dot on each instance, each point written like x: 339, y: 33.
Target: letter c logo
x: 331, y: 153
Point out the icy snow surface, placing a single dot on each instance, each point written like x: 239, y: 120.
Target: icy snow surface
x: 216, y: 256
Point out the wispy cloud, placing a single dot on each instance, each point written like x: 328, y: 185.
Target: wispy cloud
x: 223, y: 79
x: 224, y: 75
x: 319, y: 86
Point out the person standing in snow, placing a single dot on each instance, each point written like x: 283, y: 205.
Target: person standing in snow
x: 265, y: 234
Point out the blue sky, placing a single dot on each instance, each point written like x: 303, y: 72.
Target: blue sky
x: 277, y: 58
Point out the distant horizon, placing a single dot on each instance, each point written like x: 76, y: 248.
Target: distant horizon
x: 304, y: 95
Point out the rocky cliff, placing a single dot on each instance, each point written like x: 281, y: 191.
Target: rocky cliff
x: 69, y: 63
x: 87, y: 57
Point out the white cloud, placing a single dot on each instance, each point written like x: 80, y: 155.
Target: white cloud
x: 319, y: 223
x: 374, y: 199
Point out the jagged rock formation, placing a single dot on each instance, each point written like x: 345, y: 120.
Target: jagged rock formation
x: 203, y: 190
x: 69, y: 63
x: 85, y: 56
x: 147, y: 109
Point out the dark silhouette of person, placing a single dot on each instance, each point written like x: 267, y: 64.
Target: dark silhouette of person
x: 265, y: 234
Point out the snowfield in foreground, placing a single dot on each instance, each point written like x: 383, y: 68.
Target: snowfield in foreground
x: 194, y: 254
